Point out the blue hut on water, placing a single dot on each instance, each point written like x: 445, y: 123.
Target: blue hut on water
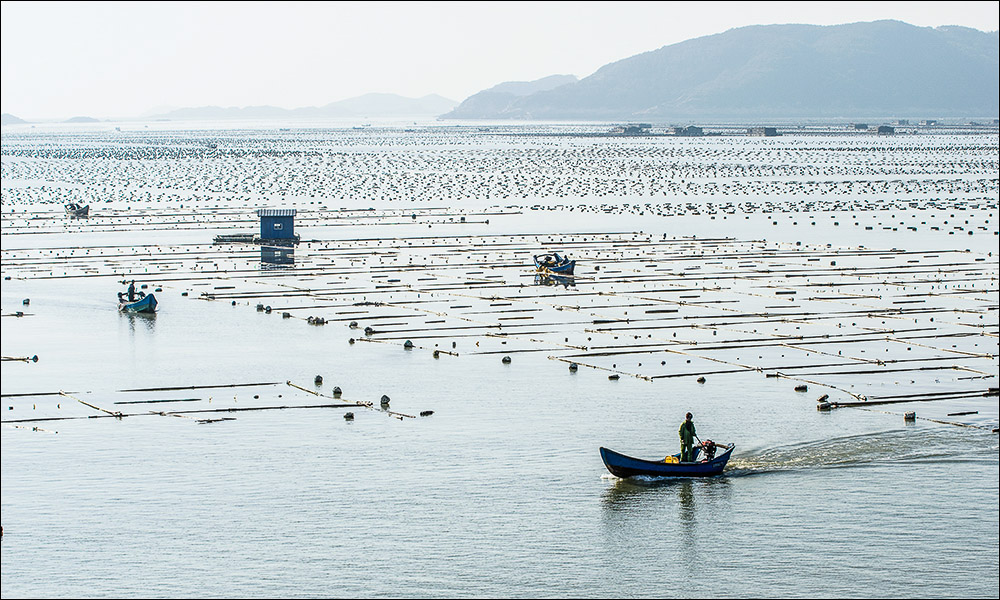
x: 277, y: 226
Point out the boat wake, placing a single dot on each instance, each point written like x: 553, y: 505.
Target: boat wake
x: 869, y: 449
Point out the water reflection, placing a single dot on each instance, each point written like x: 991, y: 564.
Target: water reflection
x: 626, y: 494
x: 276, y: 257
x: 553, y: 280
x: 144, y: 321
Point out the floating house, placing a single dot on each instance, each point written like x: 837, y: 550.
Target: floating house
x: 689, y: 131
x: 762, y: 131
x: 886, y: 130
x: 277, y: 226
x: 632, y: 129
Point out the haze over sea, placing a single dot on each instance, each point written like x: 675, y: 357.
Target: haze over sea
x: 719, y: 275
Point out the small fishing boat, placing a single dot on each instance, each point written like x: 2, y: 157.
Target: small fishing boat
x: 76, y: 211
x: 621, y: 465
x: 145, y: 304
x: 553, y: 263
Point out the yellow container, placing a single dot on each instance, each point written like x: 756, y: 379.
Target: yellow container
x: 672, y: 460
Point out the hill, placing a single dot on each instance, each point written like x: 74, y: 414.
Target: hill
x: 882, y: 68
x: 9, y: 119
x: 501, y: 98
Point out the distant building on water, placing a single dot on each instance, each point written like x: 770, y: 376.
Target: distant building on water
x: 763, y: 132
x: 689, y: 131
x: 632, y: 129
x: 277, y: 226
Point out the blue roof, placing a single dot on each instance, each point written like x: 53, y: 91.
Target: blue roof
x: 276, y: 212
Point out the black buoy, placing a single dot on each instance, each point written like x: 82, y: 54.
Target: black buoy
x: 348, y: 416
x: 506, y: 360
x: 337, y: 392
x: 426, y: 413
x: 614, y: 377
x: 802, y: 388
x: 385, y: 400
x: 318, y: 380
x: 409, y: 345
x: 701, y: 380
x: 573, y: 367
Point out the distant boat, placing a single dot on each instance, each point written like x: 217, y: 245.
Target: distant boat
x: 75, y: 211
x: 621, y: 465
x: 555, y: 264
x: 145, y: 304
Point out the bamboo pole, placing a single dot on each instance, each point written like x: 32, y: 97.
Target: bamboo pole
x: 117, y: 415
x: 201, y: 387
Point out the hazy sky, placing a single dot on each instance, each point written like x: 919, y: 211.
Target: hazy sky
x: 123, y: 59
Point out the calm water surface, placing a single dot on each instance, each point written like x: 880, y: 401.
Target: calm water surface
x: 500, y: 493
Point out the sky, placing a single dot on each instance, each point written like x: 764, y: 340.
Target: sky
x: 127, y: 59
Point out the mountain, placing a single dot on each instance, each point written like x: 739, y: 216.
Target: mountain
x: 881, y: 68
x: 368, y: 105
x: 389, y: 105
x: 82, y: 120
x: 9, y: 119
x: 501, y: 98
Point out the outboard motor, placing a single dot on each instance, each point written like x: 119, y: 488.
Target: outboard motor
x: 708, y: 449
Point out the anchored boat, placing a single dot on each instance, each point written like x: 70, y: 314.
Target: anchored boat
x: 554, y: 263
x: 76, y: 211
x: 621, y: 465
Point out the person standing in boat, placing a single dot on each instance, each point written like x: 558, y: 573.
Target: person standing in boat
x: 131, y: 291
x: 687, y: 438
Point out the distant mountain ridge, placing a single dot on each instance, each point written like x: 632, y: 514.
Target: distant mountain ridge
x: 780, y: 71
x: 9, y: 119
x: 500, y: 98
x: 368, y: 105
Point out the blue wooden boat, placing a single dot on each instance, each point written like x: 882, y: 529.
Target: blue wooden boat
x: 145, y: 304
x: 621, y: 465
x: 555, y: 264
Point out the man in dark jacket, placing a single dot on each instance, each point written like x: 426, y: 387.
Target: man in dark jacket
x: 687, y: 438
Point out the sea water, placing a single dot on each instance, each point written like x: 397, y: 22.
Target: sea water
x: 501, y: 491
